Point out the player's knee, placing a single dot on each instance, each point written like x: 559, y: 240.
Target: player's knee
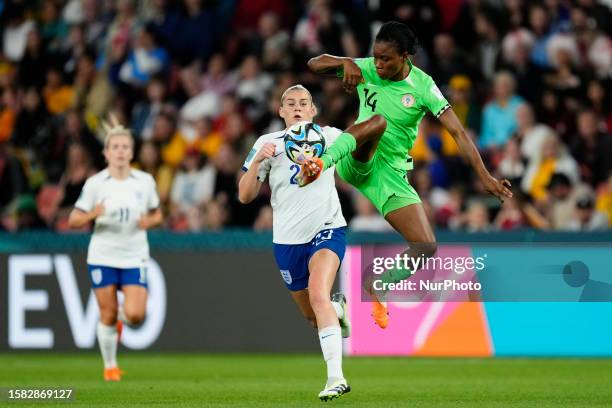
x: 135, y: 316
x: 368, y: 131
x: 379, y: 125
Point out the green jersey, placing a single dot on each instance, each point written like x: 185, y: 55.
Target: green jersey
x: 402, y: 103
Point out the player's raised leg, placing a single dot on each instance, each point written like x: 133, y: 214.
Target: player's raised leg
x: 107, y: 330
x: 360, y: 137
x: 134, y: 288
x: 134, y: 304
x: 323, y: 266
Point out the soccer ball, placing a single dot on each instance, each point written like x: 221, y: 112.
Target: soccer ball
x: 304, y: 140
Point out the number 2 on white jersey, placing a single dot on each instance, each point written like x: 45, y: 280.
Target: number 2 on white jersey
x: 296, y: 169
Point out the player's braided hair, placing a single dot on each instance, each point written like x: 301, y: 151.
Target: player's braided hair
x: 400, y: 35
x: 113, y: 128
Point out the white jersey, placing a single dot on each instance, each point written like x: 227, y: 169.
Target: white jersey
x: 299, y: 213
x: 117, y: 241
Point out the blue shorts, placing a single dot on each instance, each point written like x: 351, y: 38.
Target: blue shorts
x: 102, y: 276
x: 292, y: 260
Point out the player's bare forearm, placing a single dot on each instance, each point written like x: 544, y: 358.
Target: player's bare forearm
x: 154, y: 218
x: 249, y: 185
x: 466, y: 146
x: 351, y: 73
x: 79, y: 218
x: 326, y: 63
x: 499, y: 188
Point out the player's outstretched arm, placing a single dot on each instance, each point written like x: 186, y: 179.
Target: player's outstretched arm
x: 326, y: 63
x: 499, y: 188
x: 249, y: 185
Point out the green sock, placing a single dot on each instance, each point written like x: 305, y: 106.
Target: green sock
x: 387, y: 277
x: 344, y: 144
x: 395, y: 275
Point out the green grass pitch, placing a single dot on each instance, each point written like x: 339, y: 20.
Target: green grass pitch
x: 247, y: 380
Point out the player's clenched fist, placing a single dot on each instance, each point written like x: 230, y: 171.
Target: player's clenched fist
x: 266, y: 152
x: 352, y: 75
x: 144, y: 222
x: 98, y: 210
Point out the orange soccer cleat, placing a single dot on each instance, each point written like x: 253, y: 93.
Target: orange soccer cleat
x: 380, y: 314
x: 379, y: 309
x: 310, y: 171
x: 112, y: 374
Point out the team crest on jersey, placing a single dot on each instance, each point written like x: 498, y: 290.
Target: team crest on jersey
x: 96, y: 276
x: 408, y: 100
x: 286, y: 276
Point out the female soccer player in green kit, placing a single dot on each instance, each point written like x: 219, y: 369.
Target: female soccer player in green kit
x: 389, y: 85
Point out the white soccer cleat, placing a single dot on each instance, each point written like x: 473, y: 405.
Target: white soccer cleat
x: 345, y: 323
x: 334, y: 390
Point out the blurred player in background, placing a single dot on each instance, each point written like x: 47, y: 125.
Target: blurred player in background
x: 388, y: 84
x: 124, y: 204
x: 308, y: 225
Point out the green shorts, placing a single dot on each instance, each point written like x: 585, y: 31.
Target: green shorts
x: 385, y: 186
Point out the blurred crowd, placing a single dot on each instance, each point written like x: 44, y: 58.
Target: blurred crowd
x: 199, y: 80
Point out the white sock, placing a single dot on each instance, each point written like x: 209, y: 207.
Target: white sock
x: 331, y: 345
x: 107, y: 339
x: 338, y: 309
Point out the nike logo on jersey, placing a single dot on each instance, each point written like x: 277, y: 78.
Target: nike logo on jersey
x: 371, y: 85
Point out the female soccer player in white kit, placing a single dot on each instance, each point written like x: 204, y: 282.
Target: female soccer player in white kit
x: 123, y: 203
x: 308, y: 226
